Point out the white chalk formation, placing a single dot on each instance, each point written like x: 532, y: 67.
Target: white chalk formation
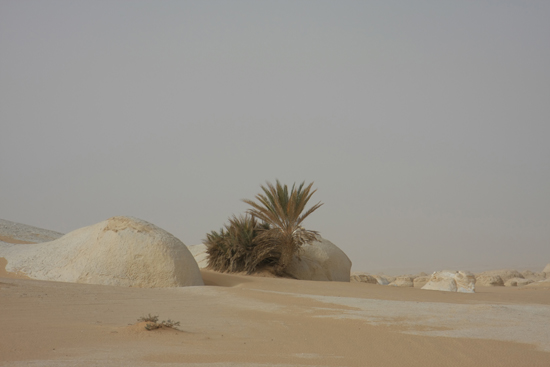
x: 321, y: 260
x: 452, y: 281
x: 403, y: 281
x: 518, y: 282
x: 362, y: 277
x: 200, y: 255
x: 504, y: 274
x: 488, y: 280
x: 120, y: 251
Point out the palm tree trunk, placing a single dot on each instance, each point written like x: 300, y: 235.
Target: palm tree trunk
x: 288, y: 249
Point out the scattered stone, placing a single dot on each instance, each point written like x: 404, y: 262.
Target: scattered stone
x: 452, y: 281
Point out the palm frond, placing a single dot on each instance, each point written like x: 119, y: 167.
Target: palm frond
x: 283, y: 211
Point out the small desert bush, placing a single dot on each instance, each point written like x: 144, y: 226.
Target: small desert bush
x: 153, y: 324
x: 235, y: 249
x: 149, y: 318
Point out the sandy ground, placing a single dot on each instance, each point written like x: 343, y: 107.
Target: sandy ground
x: 248, y: 321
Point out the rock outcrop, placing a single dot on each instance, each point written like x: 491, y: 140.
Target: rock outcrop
x: 504, y: 274
x: 321, y: 260
x: 452, y: 281
x: 421, y: 281
x: 363, y: 278
x: 120, y: 251
x: 200, y: 255
x: 487, y: 280
x: 518, y: 282
x: 403, y: 281
x: 546, y: 270
x: 528, y: 274
x: 383, y: 280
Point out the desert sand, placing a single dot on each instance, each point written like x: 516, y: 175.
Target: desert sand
x: 238, y: 320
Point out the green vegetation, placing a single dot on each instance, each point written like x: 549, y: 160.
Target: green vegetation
x: 268, y: 236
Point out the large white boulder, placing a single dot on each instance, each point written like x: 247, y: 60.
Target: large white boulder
x: 200, y: 255
x: 321, y: 260
x: 546, y: 269
x: 121, y: 251
x: 452, y: 281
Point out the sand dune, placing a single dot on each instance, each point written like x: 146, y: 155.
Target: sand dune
x: 237, y: 320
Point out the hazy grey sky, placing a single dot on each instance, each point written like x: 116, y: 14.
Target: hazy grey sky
x: 424, y: 124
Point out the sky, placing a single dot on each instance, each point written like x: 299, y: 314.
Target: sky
x: 424, y: 125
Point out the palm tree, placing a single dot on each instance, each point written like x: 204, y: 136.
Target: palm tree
x: 282, y: 211
x: 234, y: 248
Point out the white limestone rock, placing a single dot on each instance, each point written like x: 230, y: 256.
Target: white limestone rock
x: 487, y: 280
x: 518, y: 282
x: 421, y: 281
x: 528, y: 274
x: 321, y: 260
x: 403, y: 281
x: 382, y: 280
x: 363, y: 278
x: 541, y: 284
x: 200, y: 255
x: 504, y: 274
x: 546, y: 269
x: 452, y: 281
x: 120, y: 251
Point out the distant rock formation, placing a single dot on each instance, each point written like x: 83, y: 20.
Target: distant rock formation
x: 546, y: 269
x: 421, y: 281
x: 24, y: 232
x: 518, y: 282
x: 404, y: 281
x: 383, y: 280
x: 504, y: 274
x: 120, y: 251
x: 528, y: 274
x: 363, y: 278
x: 486, y: 280
x: 452, y: 281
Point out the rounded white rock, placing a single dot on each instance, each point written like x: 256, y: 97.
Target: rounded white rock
x: 122, y: 251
